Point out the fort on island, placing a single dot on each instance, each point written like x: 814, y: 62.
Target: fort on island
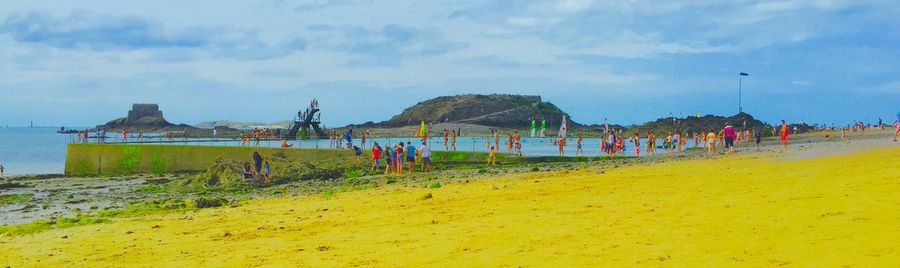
x: 143, y: 117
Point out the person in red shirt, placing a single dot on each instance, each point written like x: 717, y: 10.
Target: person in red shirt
x: 729, y: 134
x: 376, y: 155
x: 784, y: 135
x: 124, y: 135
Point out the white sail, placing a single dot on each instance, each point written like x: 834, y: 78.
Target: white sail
x: 562, y: 127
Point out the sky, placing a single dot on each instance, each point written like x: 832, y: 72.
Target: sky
x: 82, y: 63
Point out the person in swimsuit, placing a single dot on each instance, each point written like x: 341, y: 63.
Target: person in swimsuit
x: 711, y: 143
x: 578, y: 150
x: 562, y: 145
x: 784, y: 135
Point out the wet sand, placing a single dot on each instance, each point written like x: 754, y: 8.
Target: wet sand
x: 751, y: 209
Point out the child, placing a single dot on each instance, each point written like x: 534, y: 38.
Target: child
x: 711, y: 141
x: 376, y: 155
x: 490, y: 160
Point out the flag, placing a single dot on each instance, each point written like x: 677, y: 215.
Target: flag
x: 562, y: 127
x: 744, y: 74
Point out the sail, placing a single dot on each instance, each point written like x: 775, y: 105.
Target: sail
x: 562, y: 127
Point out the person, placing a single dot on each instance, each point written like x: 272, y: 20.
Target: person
x: 610, y: 144
x: 578, y: 150
x: 2, y: 169
x: 561, y: 143
x: 363, y: 140
x: 729, y: 134
x: 491, y: 158
x: 676, y: 142
x: 446, y: 137
x: 389, y: 157
x: 509, y: 143
x: 398, y: 158
x: 896, y: 126
x: 376, y: 155
x: 257, y: 162
x: 518, y: 140
x: 349, y: 137
x: 411, y: 156
x: 667, y: 143
x: 124, y: 135
x: 784, y: 135
x: 711, y: 143
x: 758, y: 136
x: 285, y: 144
x: 357, y: 152
x: 636, y: 139
x: 247, y: 172
x: 426, y: 156
x: 266, y: 174
x: 651, y: 143
x: 453, y: 140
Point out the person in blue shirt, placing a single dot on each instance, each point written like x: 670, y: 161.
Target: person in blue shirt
x: 410, y: 155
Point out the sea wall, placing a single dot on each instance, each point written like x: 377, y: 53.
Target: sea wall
x: 126, y: 159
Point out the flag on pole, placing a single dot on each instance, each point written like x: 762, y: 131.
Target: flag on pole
x: 562, y: 127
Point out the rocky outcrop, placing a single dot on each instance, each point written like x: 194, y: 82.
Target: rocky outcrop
x: 496, y: 110
x: 143, y: 117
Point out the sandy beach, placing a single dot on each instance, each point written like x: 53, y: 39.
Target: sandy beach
x: 820, y: 204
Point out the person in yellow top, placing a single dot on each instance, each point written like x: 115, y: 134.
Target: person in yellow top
x: 711, y: 142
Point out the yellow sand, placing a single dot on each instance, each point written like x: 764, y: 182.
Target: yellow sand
x: 739, y: 211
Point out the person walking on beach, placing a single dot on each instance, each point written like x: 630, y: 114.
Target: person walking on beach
x: 426, y: 156
x: 711, y: 143
x: 758, y: 136
x: 784, y: 135
x: 729, y: 133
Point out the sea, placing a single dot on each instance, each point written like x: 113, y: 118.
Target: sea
x: 25, y: 151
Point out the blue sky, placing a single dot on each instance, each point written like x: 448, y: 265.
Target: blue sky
x: 86, y: 62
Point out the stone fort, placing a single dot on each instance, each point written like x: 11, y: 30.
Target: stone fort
x: 141, y: 110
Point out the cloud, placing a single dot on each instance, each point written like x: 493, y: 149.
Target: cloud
x: 87, y: 31
x: 313, y: 5
x: 386, y: 45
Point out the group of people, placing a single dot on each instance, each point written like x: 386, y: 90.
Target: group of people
x: 259, y: 170
x: 397, y: 155
x: 255, y: 135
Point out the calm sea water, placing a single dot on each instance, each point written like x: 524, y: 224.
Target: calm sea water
x: 43, y: 151
x: 32, y: 151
